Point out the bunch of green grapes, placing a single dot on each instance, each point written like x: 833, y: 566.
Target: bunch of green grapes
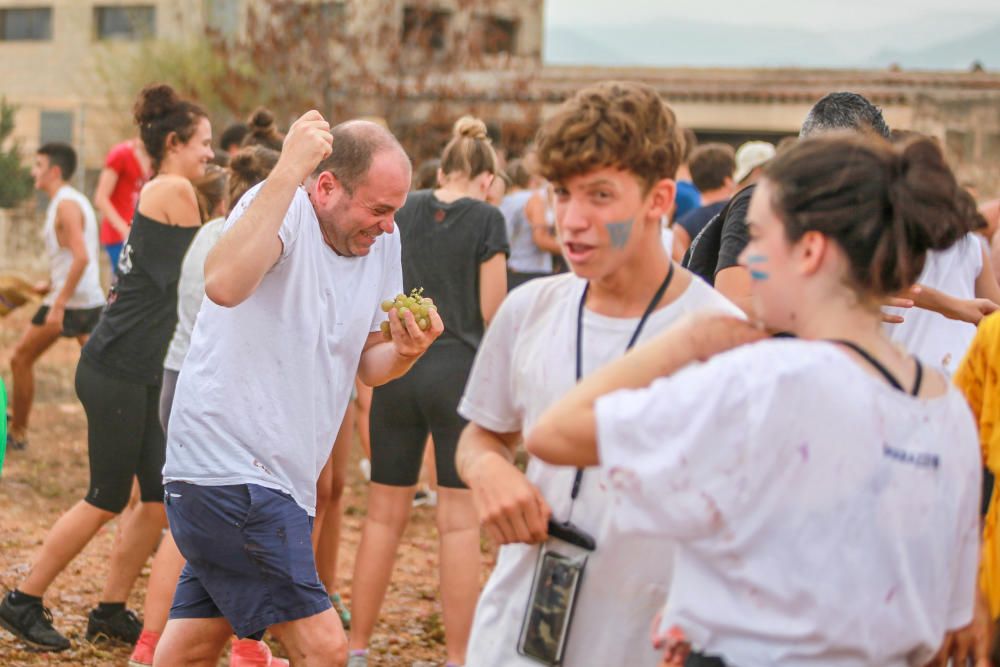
x: 415, y: 303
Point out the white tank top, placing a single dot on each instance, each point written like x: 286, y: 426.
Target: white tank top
x: 88, y: 292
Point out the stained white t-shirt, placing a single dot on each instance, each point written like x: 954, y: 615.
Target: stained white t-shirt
x: 932, y: 337
x: 191, y: 291
x: 822, y: 517
x: 265, y: 384
x: 525, y: 363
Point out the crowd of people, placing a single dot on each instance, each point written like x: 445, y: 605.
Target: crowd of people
x: 756, y: 388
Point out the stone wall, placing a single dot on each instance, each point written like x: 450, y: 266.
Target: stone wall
x: 21, y: 246
x: 969, y: 129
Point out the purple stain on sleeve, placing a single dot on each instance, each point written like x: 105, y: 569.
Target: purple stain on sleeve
x: 623, y: 479
x: 804, y: 452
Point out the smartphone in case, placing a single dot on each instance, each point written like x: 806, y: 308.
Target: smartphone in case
x: 554, y: 589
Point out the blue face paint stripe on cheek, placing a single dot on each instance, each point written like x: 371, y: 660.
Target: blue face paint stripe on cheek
x: 620, y: 231
x: 758, y: 275
x: 756, y: 259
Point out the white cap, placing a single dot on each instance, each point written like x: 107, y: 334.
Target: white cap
x: 750, y: 155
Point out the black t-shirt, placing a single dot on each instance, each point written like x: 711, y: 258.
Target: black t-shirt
x: 131, y: 339
x: 720, y: 243
x: 443, y: 247
x: 696, y: 220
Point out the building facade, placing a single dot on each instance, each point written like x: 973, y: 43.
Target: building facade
x: 59, y: 60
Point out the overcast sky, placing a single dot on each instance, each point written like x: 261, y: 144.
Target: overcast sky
x: 799, y: 13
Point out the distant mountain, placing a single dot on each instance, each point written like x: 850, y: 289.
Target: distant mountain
x: 678, y: 43
x: 943, y: 41
x: 568, y: 46
x: 910, y: 33
x: 982, y: 46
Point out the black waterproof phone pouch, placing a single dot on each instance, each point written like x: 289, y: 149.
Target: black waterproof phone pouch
x: 558, y: 575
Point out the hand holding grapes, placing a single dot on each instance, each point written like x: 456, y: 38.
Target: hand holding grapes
x: 413, y: 323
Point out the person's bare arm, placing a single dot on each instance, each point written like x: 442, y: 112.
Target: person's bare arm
x: 991, y: 213
x: 102, y: 200
x: 566, y: 434
x: 534, y: 211
x: 965, y: 310
x: 69, y: 234
x: 238, y: 262
x: 510, y: 508
x: 735, y: 284
x: 492, y: 285
x: 385, y: 360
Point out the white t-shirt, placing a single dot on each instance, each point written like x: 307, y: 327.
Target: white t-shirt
x: 88, y: 293
x: 932, y: 337
x: 822, y: 517
x: 265, y: 384
x: 667, y: 236
x: 525, y: 363
x: 191, y: 291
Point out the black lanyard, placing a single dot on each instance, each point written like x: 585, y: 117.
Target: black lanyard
x: 880, y: 367
x: 631, y: 341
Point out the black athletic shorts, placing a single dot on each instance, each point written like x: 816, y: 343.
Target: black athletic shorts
x: 124, y: 438
x: 423, y: 401
x: 76, y: 321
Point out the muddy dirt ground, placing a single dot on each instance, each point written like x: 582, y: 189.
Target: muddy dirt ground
x: 38, y: 484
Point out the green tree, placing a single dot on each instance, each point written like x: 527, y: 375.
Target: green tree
x: 15, y: 178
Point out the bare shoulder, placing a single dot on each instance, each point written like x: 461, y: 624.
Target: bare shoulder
x: 171, y: 200
x: 67, y: 209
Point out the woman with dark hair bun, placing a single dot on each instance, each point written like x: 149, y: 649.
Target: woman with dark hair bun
x: 118, y: 381
x: 822, y: 487
x: 263, y: 131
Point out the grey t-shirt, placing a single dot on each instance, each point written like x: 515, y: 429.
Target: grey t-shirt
x: 265, y: 384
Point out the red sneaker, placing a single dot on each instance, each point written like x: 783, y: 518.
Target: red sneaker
x: 252, y: 653
x: 142, y: 654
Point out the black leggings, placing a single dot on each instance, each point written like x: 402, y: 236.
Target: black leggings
x: 423, y: 401
x: 124, y: 438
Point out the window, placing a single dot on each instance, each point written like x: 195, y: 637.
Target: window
x: 332, y: 12
x: 26, y: 24
x: 426, y: 28
x: 56, y: 126
x: 222, y: 16
x: 127, y: 22
x: 498, y: 35
x: 53, y: 126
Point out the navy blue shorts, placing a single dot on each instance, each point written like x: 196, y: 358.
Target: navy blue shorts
x: 249, y: 556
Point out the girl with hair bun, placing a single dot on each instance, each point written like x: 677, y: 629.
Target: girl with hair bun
x: 263, y: 131
x: 455, y: 248
x: 823, y: 487
x: 118, y: 381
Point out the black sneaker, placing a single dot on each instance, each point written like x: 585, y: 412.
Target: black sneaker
x: 32, y: 624
x: 15, y: 445
x: 121, y: 625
